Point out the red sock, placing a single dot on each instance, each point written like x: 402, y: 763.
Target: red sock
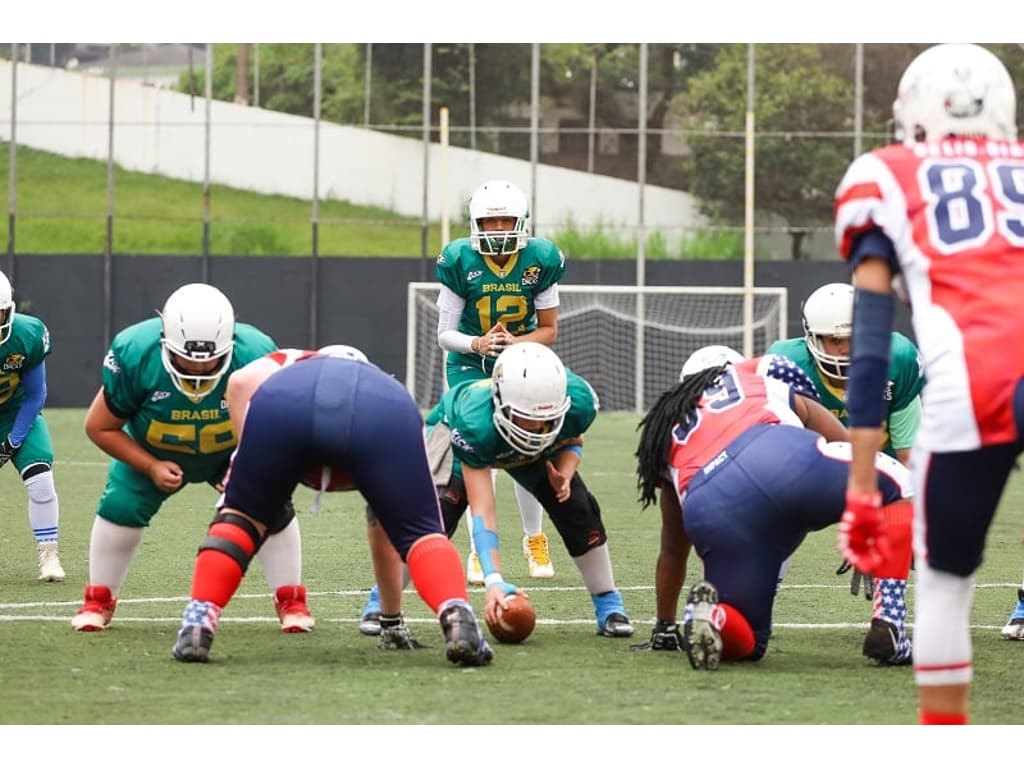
x: 217, y: 574
x: 737, y: 636
x: 898, y: 517
x: 931, y: 717
x: 436, y: 570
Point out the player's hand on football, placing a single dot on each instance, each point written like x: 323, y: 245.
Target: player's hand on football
x: 863, y: 539
x: 561, y: 483
x: 166, y: 475
x: 7, y: 451
x: 664, y: 637
x: 497, y: 594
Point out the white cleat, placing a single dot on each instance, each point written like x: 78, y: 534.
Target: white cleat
x: 474, y: 571
x: 1014, y: 630
x: 49, y: 562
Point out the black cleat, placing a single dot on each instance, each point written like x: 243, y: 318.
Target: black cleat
x: 193, y: 644
x: 395, y: 635
x: 887, y: 645
x: 701, y: 639
x: 464, y: 643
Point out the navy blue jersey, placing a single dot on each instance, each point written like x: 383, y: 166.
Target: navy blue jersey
x: 350, y: 417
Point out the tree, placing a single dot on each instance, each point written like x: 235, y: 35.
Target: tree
x: 795, y: 174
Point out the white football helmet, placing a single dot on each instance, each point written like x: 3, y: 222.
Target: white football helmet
x: 828, y: 311
x: 529, y: 382
x: 956, y: 89
x: 710, y: 356
x: 6, y: 308
x: 198, y: 326
x: 498, y: 199
x: 343, y: 350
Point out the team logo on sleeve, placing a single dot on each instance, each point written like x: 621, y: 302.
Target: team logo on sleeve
x: 531, y: 275
x: 474, y: 274
x: 13, y: 362
x: 440, y: 258
x: 110, y: 362
x: 46, y: 341
x: 459, y: 441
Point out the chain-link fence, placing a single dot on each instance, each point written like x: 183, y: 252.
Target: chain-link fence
x: 625, y: 150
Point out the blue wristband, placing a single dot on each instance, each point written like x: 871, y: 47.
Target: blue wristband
x: 577, y: 449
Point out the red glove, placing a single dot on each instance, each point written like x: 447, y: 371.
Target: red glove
x: 863, y: 539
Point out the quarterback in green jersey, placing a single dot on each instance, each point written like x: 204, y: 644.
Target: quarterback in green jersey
x: 824, y: 355
x: 499, y: 286
x: 529, y: 420
x: 24, y: 345
x: 161, y: 415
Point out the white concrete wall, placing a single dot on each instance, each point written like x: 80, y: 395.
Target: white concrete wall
x: 163, y: 132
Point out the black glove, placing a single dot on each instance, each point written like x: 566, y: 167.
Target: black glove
x: 7, y: 451
x: 664, y: 637
x: 856, y: 579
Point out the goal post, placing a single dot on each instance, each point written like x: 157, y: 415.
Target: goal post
x: 628, y: 341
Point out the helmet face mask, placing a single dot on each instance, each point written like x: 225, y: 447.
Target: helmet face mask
x: 198, y: 329
x: 529, y: 382
x: 828, y: 313
x: 498, y: 200
x: 955, y: 89
x: 6, y: 308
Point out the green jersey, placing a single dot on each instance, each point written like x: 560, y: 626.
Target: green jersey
x: 25, y: 349
x: 197, y: 436
x: 468, y: 411
x: 904, y: 382
x: 496, y: 294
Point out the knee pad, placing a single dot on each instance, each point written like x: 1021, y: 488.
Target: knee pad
x: 235, y: 537
x: 38, y: 480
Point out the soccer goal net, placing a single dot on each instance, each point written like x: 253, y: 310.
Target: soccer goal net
x: 629, y: 342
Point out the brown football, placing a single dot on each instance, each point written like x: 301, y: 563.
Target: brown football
x: 516, y: 622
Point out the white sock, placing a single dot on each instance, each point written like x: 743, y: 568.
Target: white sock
x: 942, y: 638
x: 111, y: 549
x: 530, y: 510
x: 596, y: 569
x: 281, y: 557
x: 43, y: 508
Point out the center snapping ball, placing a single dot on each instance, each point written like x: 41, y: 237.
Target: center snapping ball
x: 516, y: 622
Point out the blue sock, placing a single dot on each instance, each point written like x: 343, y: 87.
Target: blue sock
x: 1018, y: 612
x: 606, y: 604
x: 373, y: 601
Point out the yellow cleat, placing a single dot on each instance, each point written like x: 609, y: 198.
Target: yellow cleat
x: 535, y: 552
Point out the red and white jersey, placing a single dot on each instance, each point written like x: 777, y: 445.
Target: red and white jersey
x: 954, y: 211
x: 757, y: 391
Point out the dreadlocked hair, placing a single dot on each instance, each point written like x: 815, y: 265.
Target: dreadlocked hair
x: 656, y: 427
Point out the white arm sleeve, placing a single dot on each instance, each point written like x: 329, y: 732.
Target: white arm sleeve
x: 547, y: 299
x: 449, y: 310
